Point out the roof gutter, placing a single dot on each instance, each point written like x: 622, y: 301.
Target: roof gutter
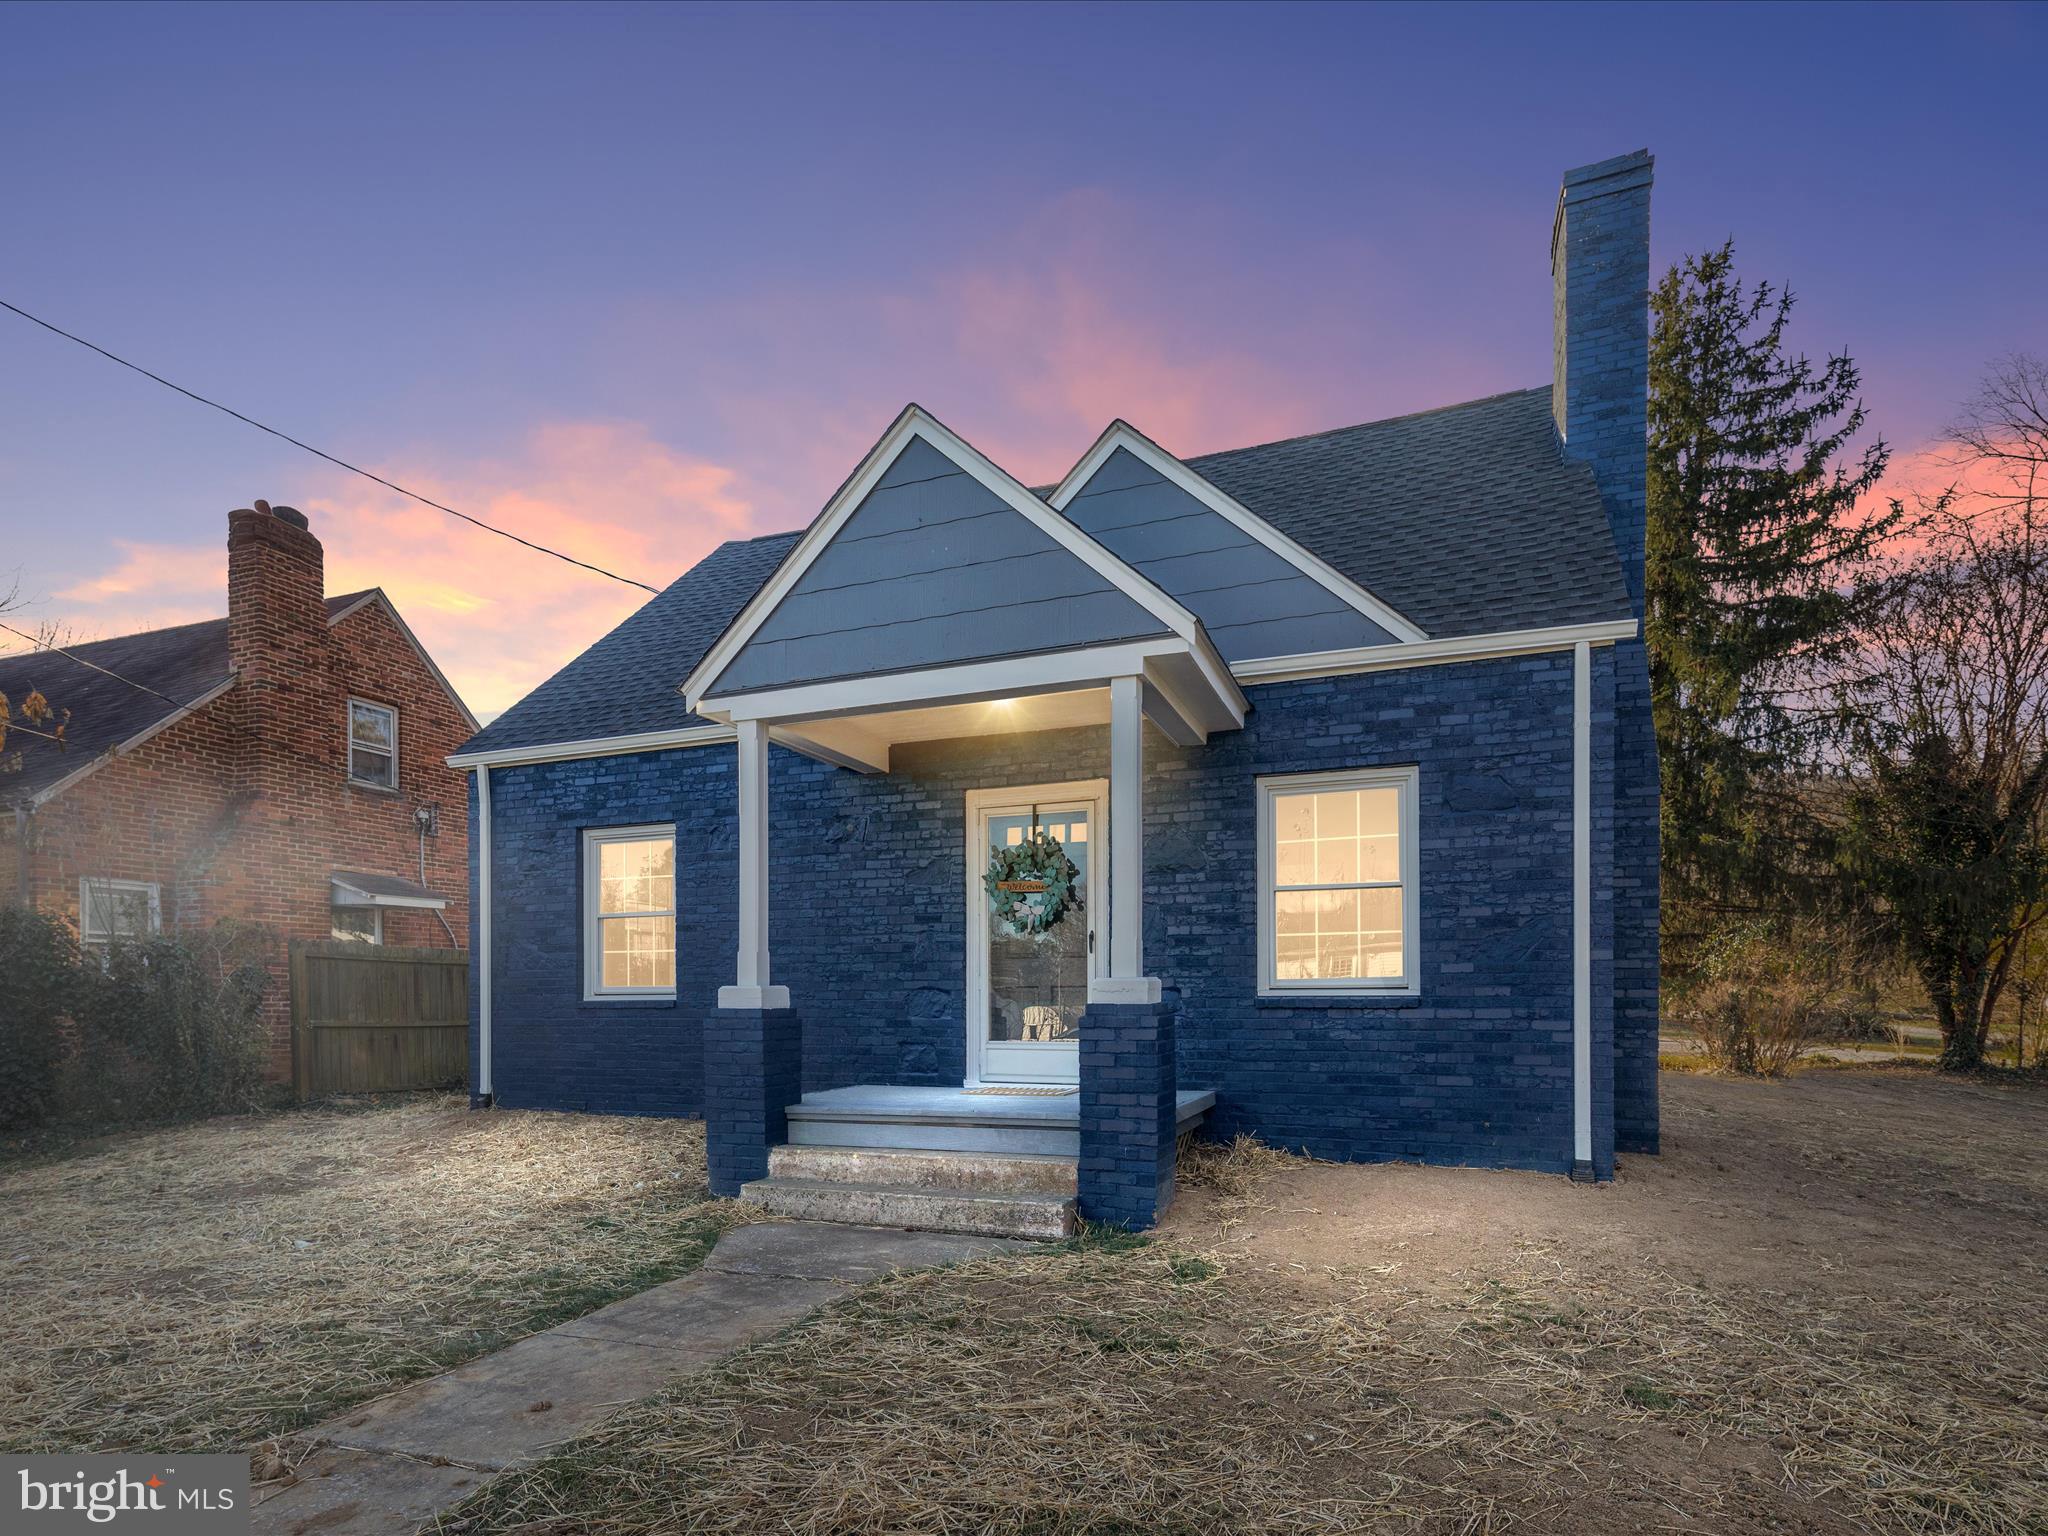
x: 1428, y: 653
x: 596, y: 746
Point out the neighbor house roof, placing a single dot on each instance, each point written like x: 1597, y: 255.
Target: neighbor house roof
x: 177, y: 669
x: 1468, y: 520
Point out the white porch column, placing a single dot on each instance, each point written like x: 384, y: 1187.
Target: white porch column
x: 1127, y: 981
x: 752, y: 989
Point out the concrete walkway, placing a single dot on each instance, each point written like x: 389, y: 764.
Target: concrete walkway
x: 394, y: 1462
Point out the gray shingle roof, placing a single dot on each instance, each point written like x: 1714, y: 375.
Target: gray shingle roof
x: 626, y: 683
x: 1467, y: 519
x: 182, y: 663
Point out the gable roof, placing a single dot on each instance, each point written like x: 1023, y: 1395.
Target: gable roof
x: 1257, y: 592
x: 187, y: 664
x: 922, y: 511
x: 1468, y: 520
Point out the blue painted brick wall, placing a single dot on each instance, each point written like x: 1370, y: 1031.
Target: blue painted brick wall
x: 752, y: 1069
x: 1129, y: 1113
x: 868, y: 917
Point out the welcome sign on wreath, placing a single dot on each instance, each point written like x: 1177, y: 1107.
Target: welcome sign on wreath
x: 1030, y: 886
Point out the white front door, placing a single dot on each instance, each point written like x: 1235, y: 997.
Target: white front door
x: 1025, y: 996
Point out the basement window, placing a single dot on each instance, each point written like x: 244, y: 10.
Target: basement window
x: 629, y: 912
x: 362, y: 925
x: 110, y: 910
x: 372, y: 745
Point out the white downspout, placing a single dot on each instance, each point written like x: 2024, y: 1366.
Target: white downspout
x: 483, y: 935
x: 1582, y: 911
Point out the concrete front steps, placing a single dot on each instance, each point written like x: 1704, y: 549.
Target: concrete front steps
x: 982, y: 1194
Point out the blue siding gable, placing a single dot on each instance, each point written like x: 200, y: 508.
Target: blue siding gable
x: 1252, y: 601
x: 932, y: 569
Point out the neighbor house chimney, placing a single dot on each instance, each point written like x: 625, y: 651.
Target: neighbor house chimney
x: 1600, y: 338
x: 277, y: 615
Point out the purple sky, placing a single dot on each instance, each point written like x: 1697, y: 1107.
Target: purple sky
x: 635, y: 280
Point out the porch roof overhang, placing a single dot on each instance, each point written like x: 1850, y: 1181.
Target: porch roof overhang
x: 1187, y: 688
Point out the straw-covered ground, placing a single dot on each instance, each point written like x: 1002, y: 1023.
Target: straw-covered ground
x: 206, y: 1287
x: 1819, y: 1312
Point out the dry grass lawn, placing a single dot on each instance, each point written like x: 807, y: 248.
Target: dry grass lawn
x: 206, y: 1287
x: 1819, y: 1312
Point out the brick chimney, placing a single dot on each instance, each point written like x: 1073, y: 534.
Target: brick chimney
x: 1599, y: 396
x: 1600, y: 337
x: 277, y: 615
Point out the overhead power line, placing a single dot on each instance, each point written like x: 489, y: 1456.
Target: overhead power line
x: 353, y: 469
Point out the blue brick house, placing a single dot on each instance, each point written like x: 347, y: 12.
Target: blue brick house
x: 964, y: 851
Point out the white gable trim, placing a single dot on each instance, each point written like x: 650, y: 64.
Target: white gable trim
x: 916, y: 422
x: 1121, y: 434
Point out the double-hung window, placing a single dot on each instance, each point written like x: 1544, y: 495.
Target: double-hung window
x: 629, y: 912
x: 117, y: 909
x: 372, y: 744
x: 1337, y: 882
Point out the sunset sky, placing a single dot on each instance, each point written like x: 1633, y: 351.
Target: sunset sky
x: 632, y: 281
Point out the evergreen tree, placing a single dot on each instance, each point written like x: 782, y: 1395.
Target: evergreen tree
x: 1758, y: 566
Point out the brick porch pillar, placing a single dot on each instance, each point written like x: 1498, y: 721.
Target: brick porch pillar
x: 753, y: 1070
x: 1129, y: 1117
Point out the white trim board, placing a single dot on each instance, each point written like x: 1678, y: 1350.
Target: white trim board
x: 912, y: 424
x: 1265, y: 669
x: 1121, y: 434
x: 1428, y: 653
x: 595, y: 746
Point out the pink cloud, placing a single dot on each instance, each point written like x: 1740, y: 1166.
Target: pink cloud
x: 498, y: 618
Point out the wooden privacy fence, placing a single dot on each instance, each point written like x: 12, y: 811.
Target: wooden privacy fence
x: 372, y: 1018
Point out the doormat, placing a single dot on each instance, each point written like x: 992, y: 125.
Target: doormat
x: 1008, y: 1091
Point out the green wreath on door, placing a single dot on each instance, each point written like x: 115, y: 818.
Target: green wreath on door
x: 1030, y: 886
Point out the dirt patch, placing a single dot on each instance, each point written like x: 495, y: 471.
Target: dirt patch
x: 205, y: 1287
x: 1816, y: 1314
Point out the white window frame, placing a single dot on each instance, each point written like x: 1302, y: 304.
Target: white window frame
x: 594, y: 838
x: 1409, y: 983
x: 348, y: 744
x: 376, y: 924
x: 87, y: 884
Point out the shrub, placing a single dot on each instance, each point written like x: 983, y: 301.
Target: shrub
x: 1761, y: 993
x: 171, y: 1028
x: 38, y: 979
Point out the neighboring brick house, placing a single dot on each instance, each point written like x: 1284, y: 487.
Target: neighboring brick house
x: 285, y: 766
x: 1342, y: 745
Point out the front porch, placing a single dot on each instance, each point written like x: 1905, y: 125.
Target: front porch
x: 1026, y: 1123
x: 998, y: 1164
